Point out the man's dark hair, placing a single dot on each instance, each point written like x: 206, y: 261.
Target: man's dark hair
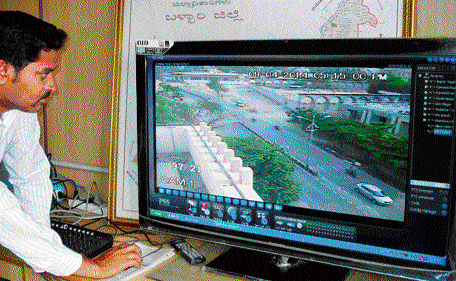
x: 22, y: 37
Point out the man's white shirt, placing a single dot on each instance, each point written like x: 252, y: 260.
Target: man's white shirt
x: 24, y: 211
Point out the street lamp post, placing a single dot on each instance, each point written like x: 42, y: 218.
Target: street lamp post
x: 312, y: 127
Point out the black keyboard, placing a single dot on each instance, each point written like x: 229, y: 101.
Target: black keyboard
x: 83, y: 240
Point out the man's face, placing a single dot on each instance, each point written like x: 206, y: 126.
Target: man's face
x: 30, y: 90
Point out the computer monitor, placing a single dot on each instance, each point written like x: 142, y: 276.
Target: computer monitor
x: 335, y: 151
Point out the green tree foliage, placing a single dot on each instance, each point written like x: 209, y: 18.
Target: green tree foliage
x: 213, y: 107
x: 215, y: 85
x: 375, y: 138
x: 172, y: 112
x: 169, y: 88
x: 272, y: 169
x: 393, y: 84
x: 304, y: 115
x: 209, y: 111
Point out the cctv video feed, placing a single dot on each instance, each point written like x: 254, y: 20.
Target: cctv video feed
x: 321, y: 138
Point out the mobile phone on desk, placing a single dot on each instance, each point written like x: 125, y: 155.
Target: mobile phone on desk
x: 187, y: 251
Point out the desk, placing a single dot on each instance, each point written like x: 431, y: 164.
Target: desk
x: 175, y: 269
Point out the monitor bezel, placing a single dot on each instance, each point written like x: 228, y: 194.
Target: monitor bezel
x: 405, y: 47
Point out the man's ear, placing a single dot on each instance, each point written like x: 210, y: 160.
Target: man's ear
x: 7, y: 71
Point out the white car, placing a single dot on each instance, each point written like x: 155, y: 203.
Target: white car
x: 239, y: 103
x: 374, y: 193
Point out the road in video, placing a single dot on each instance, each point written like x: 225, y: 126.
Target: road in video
x: 323, y: 138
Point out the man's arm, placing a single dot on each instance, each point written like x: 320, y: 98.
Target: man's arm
x: 27, y: 166
x: 38, y: 245
x: 24, y: 216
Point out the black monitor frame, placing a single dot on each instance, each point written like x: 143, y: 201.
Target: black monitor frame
x: 357, y: 52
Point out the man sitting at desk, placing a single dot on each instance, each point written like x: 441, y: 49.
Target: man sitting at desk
x: 29, y: 55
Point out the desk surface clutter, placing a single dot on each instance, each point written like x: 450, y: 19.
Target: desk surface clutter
x: 169, y: 266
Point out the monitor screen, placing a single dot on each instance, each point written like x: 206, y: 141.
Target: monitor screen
x: 339, y: 149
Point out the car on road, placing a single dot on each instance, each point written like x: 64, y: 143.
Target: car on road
x: 177, y: 96
x: 374, y: 193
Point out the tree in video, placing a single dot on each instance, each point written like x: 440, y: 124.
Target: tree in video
x: 272, y: 169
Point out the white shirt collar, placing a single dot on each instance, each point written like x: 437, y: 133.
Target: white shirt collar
x: 7, y: 117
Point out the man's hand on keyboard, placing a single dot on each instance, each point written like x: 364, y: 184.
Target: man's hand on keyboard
x: 111, y: 262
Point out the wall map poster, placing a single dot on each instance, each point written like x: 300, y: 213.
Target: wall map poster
x: 230, y: 19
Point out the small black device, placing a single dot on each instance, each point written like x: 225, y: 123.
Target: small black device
x: 83, y: 240
x: 188, y: 252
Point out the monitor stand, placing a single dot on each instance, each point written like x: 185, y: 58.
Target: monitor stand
x: 255, y: 265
